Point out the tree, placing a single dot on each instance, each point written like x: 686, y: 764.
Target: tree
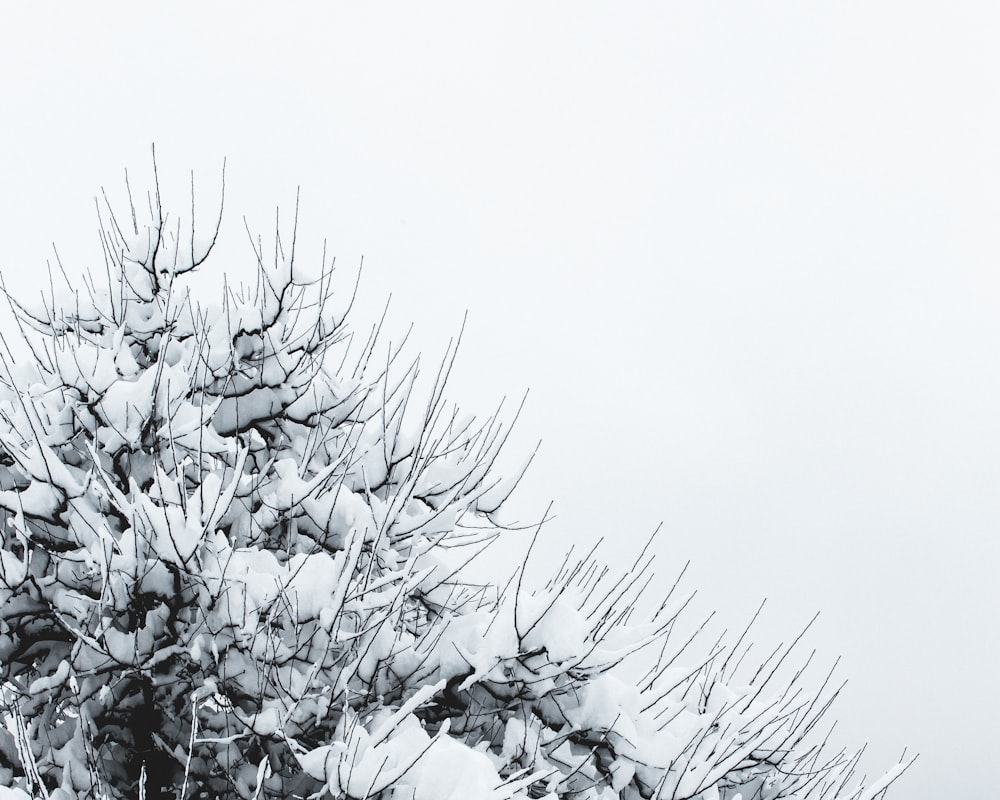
x: 233, y: 565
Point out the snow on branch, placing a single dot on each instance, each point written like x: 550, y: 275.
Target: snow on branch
x: 232, y: 566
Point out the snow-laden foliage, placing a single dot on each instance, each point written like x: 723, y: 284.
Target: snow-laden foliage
x: 232, y: 566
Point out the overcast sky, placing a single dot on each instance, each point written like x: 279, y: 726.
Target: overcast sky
x: 745, y: 256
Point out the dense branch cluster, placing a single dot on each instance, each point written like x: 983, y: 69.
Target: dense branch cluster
x: 232, y: 566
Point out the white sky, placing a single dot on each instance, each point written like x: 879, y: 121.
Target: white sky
x: 745, y: 258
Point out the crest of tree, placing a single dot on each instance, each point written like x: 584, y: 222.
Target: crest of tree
x: 232, y: 566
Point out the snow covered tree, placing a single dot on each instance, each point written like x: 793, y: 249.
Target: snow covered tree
x: 233, y: 564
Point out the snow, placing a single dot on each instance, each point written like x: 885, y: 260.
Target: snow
x: 125, y: 407
x: 613, y: 706
x: 313, y: 579
x: 555, y: 624
x: 39, y: 499
x: 46, y: 683
x: 13, y: 570
x: 263, y: 723
x: 451, y: 770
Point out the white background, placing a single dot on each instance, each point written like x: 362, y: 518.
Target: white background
x: 745, y: 256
